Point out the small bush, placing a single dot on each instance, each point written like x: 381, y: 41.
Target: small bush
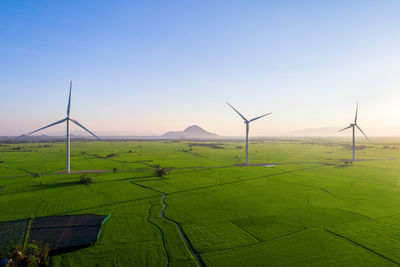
x: 86, y: 180
x: 210, y: 145
x: 115, y: 170
x: 187, y: 150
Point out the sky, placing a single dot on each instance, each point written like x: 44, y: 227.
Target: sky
x: 147, y: 67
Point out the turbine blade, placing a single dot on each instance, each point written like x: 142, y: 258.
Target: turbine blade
x: 69, y: 100
x: 355, y: 119
x: 259, y: 117
x: 362, y: 132
x: 345, y: 128
x: 83, y: 127
x: 237, y: 112
x: 55, y: 123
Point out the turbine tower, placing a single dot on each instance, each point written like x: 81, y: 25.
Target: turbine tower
x: 247, y: 122
x: 67, y: 119
x: 353, y: 126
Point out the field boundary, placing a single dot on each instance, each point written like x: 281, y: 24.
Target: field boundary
x: 362, y: 246
x: 260, y: 242
x: 244, y: 180
x: 244, y: 230
x: 28, y: 231
x: 101, y: 226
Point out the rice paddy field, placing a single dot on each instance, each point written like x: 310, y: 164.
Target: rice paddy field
x: 301, y: 204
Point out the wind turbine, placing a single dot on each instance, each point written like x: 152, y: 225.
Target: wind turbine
x: 354, y: 125
x: 247, y: 122
x: 67, y: 119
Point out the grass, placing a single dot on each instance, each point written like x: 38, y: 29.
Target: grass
x: 310, y: 209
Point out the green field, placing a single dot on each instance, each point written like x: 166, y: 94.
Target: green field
x: 311, y: 209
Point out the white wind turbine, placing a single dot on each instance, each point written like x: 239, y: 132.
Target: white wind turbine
x: 67, y: 119
x: 247, y: 122
x: 354, y: 125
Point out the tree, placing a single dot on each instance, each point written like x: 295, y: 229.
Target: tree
x: 86, y: 180
x: 161, y: 172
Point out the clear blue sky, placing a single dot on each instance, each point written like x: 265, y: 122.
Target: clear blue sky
x: 146, y: 67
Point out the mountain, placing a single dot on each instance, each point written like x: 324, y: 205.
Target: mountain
x: 191, y: 132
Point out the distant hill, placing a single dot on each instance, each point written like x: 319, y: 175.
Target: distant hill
x: 323, y: 131
x: 190, y: 132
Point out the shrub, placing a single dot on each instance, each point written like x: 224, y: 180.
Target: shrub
x: 86, y: 180
x: 114, y: 170
x: 388, y: 147
x: 31, y: 255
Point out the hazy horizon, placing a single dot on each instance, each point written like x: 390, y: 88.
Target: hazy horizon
x: 145, y: 68
x: 329, y: 131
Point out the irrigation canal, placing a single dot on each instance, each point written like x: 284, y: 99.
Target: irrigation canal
x: 189, y: 245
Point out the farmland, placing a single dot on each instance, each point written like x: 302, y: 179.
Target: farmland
x: 309, y: 206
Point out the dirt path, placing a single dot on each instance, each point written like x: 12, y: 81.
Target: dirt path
x: 87, y: 171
